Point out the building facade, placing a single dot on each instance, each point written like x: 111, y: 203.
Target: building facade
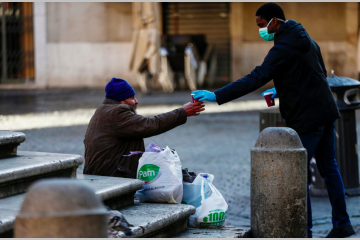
x: 73, y: 45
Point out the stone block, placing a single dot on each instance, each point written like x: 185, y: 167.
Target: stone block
x: 61, y: 208
x: 9, y: 141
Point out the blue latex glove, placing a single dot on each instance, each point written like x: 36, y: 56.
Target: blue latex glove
x: 202, y: 95
x: 275, y: 95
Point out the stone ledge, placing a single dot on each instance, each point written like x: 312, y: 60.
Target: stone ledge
x: 9, y: 141
x: 18, y: 172
x: 28, y: 164
x: 114, y: 191
x: 225, y: 232
x: 9, y: 137
x: 156, y: 220
x: 107, y: 187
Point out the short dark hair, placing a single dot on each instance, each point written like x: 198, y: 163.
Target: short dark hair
x: 269, y: 11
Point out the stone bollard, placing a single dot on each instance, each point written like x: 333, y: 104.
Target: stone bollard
x: 278, y: 185
x: 61, y: 208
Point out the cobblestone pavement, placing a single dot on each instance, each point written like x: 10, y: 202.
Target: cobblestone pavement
x: 218, y: 143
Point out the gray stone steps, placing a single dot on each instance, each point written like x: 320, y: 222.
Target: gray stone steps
x: 156, y: 220
x: 113, y: 191
x: 9, y: 141
x: 18, y: 172
x: 9, y: 208
x: 225, y: 232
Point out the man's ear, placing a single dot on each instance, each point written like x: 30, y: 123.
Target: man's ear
x: 274, y: 22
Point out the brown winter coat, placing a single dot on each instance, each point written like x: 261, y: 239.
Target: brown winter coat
x: 115, y: 130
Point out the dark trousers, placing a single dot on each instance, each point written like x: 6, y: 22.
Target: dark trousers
x: 320, y: 143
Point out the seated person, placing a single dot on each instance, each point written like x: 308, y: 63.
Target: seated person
x: 115, y: 129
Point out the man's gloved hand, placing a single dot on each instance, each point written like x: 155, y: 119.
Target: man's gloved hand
x: 275, y: 95
x: 202, y: 95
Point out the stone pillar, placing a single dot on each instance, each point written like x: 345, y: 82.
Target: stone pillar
x: 61, y: 208
x: 278, y: 185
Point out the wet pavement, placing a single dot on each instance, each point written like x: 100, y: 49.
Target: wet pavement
x: 217, y: 143
x: 39, y: 101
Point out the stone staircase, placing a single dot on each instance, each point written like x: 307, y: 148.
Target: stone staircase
x: 20, y: 169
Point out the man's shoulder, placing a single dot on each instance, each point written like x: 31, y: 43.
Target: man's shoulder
x: 277, y: 51
x: 279, y: 47
x: 114, y: 108
x: 123, y: 107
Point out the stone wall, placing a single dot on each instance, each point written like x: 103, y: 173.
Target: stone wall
x: 88, y: 43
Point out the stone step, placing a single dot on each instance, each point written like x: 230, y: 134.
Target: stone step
x: 114, y: 192
x: 154, y: 220
x: 18, y: 172
x: 9, y: 141
x: 224, y: 232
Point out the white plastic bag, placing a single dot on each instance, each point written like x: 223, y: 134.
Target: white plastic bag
x: 162, y: 177
x: 212, y: 211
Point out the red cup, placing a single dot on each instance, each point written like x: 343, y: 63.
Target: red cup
x: 270, y: 101
x: 193, y: 99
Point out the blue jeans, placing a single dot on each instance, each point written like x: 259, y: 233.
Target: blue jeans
x: 321, y: 143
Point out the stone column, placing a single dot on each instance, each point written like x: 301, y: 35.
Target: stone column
x: 61, y: 208
x: 278, y: 185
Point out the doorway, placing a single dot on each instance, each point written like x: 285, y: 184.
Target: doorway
x: 16, y: 43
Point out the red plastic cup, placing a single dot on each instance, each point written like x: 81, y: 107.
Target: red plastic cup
x: 193, y: 99
x: 270, y: 101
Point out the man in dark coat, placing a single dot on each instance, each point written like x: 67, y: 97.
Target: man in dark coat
x: 306, y: 102
x: 115, y: 129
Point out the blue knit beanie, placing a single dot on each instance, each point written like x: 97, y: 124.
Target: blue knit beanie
x: 118, y: 89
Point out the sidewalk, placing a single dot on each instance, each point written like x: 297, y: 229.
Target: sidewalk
x: 217, y: 142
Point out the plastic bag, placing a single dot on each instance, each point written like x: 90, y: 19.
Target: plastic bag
x: 192, y: 191
x: 153, y: 147
x: 162, y: 177
x: 212, y: 211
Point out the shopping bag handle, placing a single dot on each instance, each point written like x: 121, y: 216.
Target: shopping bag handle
x: 213, y: 189
x: 217, y: 194
x: 202, y: 193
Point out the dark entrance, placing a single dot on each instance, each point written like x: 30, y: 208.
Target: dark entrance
x: 16, y: 43
x: 210, y: 19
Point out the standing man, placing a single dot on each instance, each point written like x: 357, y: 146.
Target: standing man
x: 115, y: 129
x: 306, y: 102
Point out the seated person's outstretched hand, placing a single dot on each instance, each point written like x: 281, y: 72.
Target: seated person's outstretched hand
x: 194, y: 109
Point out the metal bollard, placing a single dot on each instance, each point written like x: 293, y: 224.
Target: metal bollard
x: 61, y: 208
x: 278, y: 185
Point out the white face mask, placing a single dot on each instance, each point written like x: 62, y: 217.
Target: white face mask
x: 264, y: 31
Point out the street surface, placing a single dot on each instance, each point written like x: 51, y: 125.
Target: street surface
x: 218, y: 142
